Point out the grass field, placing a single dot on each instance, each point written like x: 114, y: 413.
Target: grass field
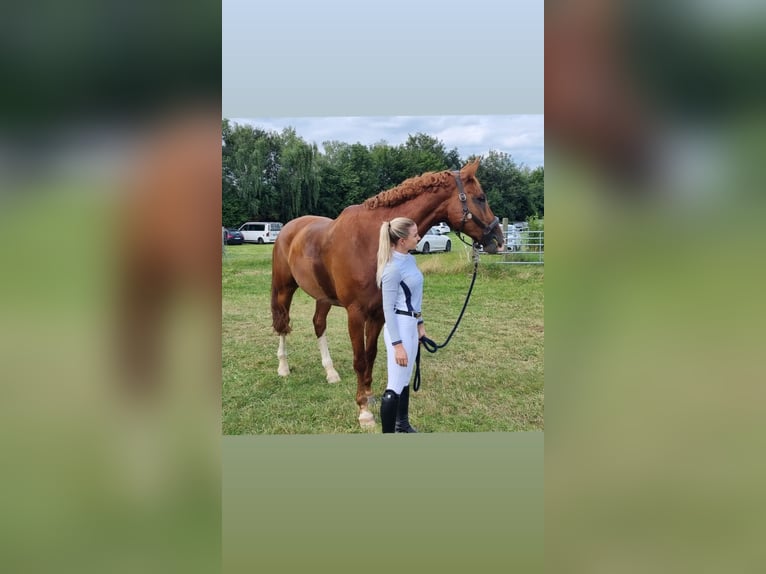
x: 489, y: 377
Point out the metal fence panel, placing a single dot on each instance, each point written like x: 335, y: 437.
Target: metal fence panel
x: 530, y: 249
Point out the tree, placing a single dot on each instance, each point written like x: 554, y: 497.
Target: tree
x: 296, y: 181
x: 424, y: 153
x: 234, y: 208
x: 505, y: 185
x: 249, y: 174
x: 273, y: 176
x: 536, y: 186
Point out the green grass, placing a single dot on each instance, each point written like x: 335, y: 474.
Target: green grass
x: 489, y: 377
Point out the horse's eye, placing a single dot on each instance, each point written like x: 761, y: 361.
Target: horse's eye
x: 481, y: 199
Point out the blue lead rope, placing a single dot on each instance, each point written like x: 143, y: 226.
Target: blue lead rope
x: 430, y: 345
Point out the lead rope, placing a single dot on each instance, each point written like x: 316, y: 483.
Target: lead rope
x: 429, y: 344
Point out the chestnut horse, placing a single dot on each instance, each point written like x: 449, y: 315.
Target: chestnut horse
x: 334, y: 261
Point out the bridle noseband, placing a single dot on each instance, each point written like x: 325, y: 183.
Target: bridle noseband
x: 488, y: 229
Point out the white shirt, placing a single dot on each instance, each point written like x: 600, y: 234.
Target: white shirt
x: 402, y: 286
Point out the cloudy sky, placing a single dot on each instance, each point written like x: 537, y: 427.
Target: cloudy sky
x: 521, y: 136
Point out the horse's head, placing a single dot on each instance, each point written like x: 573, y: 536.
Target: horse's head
x: 470, y: 213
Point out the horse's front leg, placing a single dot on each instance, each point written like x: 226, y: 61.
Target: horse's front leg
x: 356, y: 321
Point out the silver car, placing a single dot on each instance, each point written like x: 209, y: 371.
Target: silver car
x: 512, y: 239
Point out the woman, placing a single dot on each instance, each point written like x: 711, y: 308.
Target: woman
x: 401, y: 281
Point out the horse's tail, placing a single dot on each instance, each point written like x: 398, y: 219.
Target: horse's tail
x: 280, y: 295
x: 279, y: 315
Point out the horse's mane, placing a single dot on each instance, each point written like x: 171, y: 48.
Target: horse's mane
x: 429, y: 182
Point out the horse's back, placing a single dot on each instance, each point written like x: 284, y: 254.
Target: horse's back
x: 295, y: 225
x: 311, y: 224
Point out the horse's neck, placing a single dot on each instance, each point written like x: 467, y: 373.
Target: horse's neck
x: 425, y: 209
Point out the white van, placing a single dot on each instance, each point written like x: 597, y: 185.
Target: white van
x: 260, y: 231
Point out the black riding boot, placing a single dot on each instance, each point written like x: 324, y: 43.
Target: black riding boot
x: 402, y: 413
x: 388, y: 410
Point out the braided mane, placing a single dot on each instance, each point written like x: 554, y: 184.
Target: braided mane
x: 429, y: 182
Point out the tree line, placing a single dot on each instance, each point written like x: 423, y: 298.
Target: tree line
x: 272, y: 176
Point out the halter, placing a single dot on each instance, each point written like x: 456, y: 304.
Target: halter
x: 488, y: 229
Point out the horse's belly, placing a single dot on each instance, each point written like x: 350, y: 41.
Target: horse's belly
x: 318, y: 293
x: 315, y: 281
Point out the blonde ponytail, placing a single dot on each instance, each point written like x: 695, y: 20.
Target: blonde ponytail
x: 390, y: 232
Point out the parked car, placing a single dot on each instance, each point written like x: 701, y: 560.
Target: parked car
x: 433, y: 241
x: 521, y: 226
x: 442, y: 227
x: 260, y: 231
x: 512, y: 239
x: 233, y: 237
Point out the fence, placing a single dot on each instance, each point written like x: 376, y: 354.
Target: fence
x: 528, y: 247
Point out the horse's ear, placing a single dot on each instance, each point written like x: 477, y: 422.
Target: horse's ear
x: 469, y: 169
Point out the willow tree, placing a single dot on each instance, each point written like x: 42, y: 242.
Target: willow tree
x: 248, y: 170
x: 297, y: 176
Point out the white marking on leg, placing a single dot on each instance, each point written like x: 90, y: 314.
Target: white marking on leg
x: 366, y: 419
x: 284, y: 369
x: 332, y: 374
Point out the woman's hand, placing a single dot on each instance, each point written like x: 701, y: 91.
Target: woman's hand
x: 421, y: 330
x: 400, y: 355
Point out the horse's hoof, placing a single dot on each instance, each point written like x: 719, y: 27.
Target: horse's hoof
x: 366, y: 420
x: 333, y: 377
x: 283, y: 372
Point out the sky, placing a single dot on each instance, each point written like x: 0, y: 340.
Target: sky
x: 521, y: 136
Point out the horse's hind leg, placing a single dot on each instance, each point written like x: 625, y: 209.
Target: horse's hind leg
x: 284, y: 369
x: 320, y: 329
x: 281, y: 298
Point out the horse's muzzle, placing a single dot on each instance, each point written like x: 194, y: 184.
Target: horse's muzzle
x: 493, y: 237
x: 491, y: 244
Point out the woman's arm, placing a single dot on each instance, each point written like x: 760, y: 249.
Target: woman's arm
x: 390, y: 288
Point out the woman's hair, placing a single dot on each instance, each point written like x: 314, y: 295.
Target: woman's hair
x: 390, y: 233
